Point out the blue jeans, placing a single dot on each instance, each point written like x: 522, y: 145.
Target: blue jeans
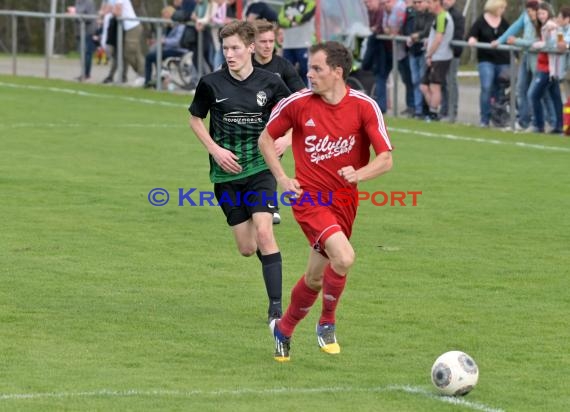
x: 417, y: 69
x: 524, y: 80
x: 300, y: 56
x: 89, y: 49
x: 542, y: 84
x: 488, y: 76
x: 406, y: 76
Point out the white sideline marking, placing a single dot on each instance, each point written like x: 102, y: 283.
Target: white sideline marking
x: 245, y: 391
x: 90, y: 94
x: 82, y: 125
x: 480, y: 140
x: 410, y: 131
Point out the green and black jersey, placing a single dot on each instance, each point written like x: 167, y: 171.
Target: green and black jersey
x: 239, y: 111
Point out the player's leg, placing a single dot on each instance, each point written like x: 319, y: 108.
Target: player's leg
x: 261, y: 199
x: 341, y: 255
x: 303, y: 296
x: 271, y: 262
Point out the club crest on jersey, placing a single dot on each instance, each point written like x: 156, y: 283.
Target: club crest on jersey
x: 261, y: 98
x: 326, y: 148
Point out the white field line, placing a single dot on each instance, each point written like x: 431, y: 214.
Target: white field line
x: 480, y: 140
x: 170, y: 104
x: 414, y: 390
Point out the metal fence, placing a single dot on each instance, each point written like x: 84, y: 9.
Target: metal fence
x: 158, y: 25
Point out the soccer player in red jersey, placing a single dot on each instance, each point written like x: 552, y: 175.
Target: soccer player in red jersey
x: 333, y: 129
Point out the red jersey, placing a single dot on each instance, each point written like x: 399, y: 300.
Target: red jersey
x: 328, y: 137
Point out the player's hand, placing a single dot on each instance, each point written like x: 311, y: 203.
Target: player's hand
x: 290, y: 185
x: 349, y: 174
x: 227, y: 160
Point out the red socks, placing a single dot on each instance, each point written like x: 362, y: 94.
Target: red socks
x: 333, y: 286
x: 303, y: 298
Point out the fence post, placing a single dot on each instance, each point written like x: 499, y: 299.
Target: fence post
x: 513, y: 80
x: 14, y: 44
x: 158, y: 57
x: 394, y: 77
x: 82, y: 48
x: 46, y: 46
x: 119, y: 46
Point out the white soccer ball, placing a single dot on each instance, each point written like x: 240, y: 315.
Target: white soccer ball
x: 454, y: 373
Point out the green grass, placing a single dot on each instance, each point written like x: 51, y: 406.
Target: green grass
x: 109, y: 303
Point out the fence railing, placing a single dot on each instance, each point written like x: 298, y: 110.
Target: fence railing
x: 82, y: 19
x: 160, y: 23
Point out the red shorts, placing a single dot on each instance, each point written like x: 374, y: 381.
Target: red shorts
x: 318, y: 223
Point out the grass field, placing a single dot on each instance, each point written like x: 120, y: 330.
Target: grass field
x: 109, y: 303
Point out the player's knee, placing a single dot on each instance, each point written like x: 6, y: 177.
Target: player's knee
x: 265, y: 239
x: 314, y: 282
x: 247, y: 250
x: 344, y: 261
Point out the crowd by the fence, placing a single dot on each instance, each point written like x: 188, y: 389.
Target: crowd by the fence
x: 422, y: 40
x: 428, y: 65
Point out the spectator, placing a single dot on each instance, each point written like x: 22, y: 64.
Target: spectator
x: 526, y: 24
x: 109, y: 40
x: 202, y: 17
x: 378, y: 54
x: 417, y: 27
x: 85, y: 7
x: 224, y: 13
x: 133, y: 30
x: 450, y: 88
x: 184, y: 10
x: 170, y: 45
x: 297, y: 19
x: 438, y: 57
x: 394, y: 18
x: 549, y: 69
x: 487, y: 28
x: 260, y: 10
x: 563, y: 45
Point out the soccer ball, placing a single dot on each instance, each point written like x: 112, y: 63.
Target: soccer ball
x: 454, y: 373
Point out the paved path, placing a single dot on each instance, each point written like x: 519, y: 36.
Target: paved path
x: 68, y: 69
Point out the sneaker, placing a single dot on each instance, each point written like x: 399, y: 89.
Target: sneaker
x: 276, y: 218
x: 326, y: 339
x: 138, y: 82
x: 107, y: 80
x: 282, y: 343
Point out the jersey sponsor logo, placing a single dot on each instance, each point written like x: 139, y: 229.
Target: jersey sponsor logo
x: 261, y: 98
x: 325, y: 148
x: 310, y: 123
x: 243, y: 118
x: 221, y: 100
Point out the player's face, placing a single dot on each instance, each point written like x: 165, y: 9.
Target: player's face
x: 321, y: 76
x: 236, y: 53
x: 264, y: 44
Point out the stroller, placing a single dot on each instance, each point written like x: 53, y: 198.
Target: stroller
x: 501, y: 101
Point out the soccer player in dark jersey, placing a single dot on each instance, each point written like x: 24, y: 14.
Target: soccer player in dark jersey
x: 239, y: 99
x: 265, y: 58
x: 333, y: 130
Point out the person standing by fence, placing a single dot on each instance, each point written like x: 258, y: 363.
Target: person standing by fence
x: 85, y: 7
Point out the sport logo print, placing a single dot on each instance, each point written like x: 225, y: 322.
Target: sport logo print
x: 326, y: 148
x: 261, y: 98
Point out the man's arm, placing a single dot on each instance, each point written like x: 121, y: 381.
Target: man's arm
x: 381, y: 164
x: 267, y: 149
x: 225, y: 158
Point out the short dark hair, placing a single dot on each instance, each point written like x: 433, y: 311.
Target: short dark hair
x: 263, y: 26
x: 337, y: 56
x: 564, y: 11
x: 244, y: 30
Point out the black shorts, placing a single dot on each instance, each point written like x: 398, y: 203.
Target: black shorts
x: 240, y: 199
x: 437, y: 72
